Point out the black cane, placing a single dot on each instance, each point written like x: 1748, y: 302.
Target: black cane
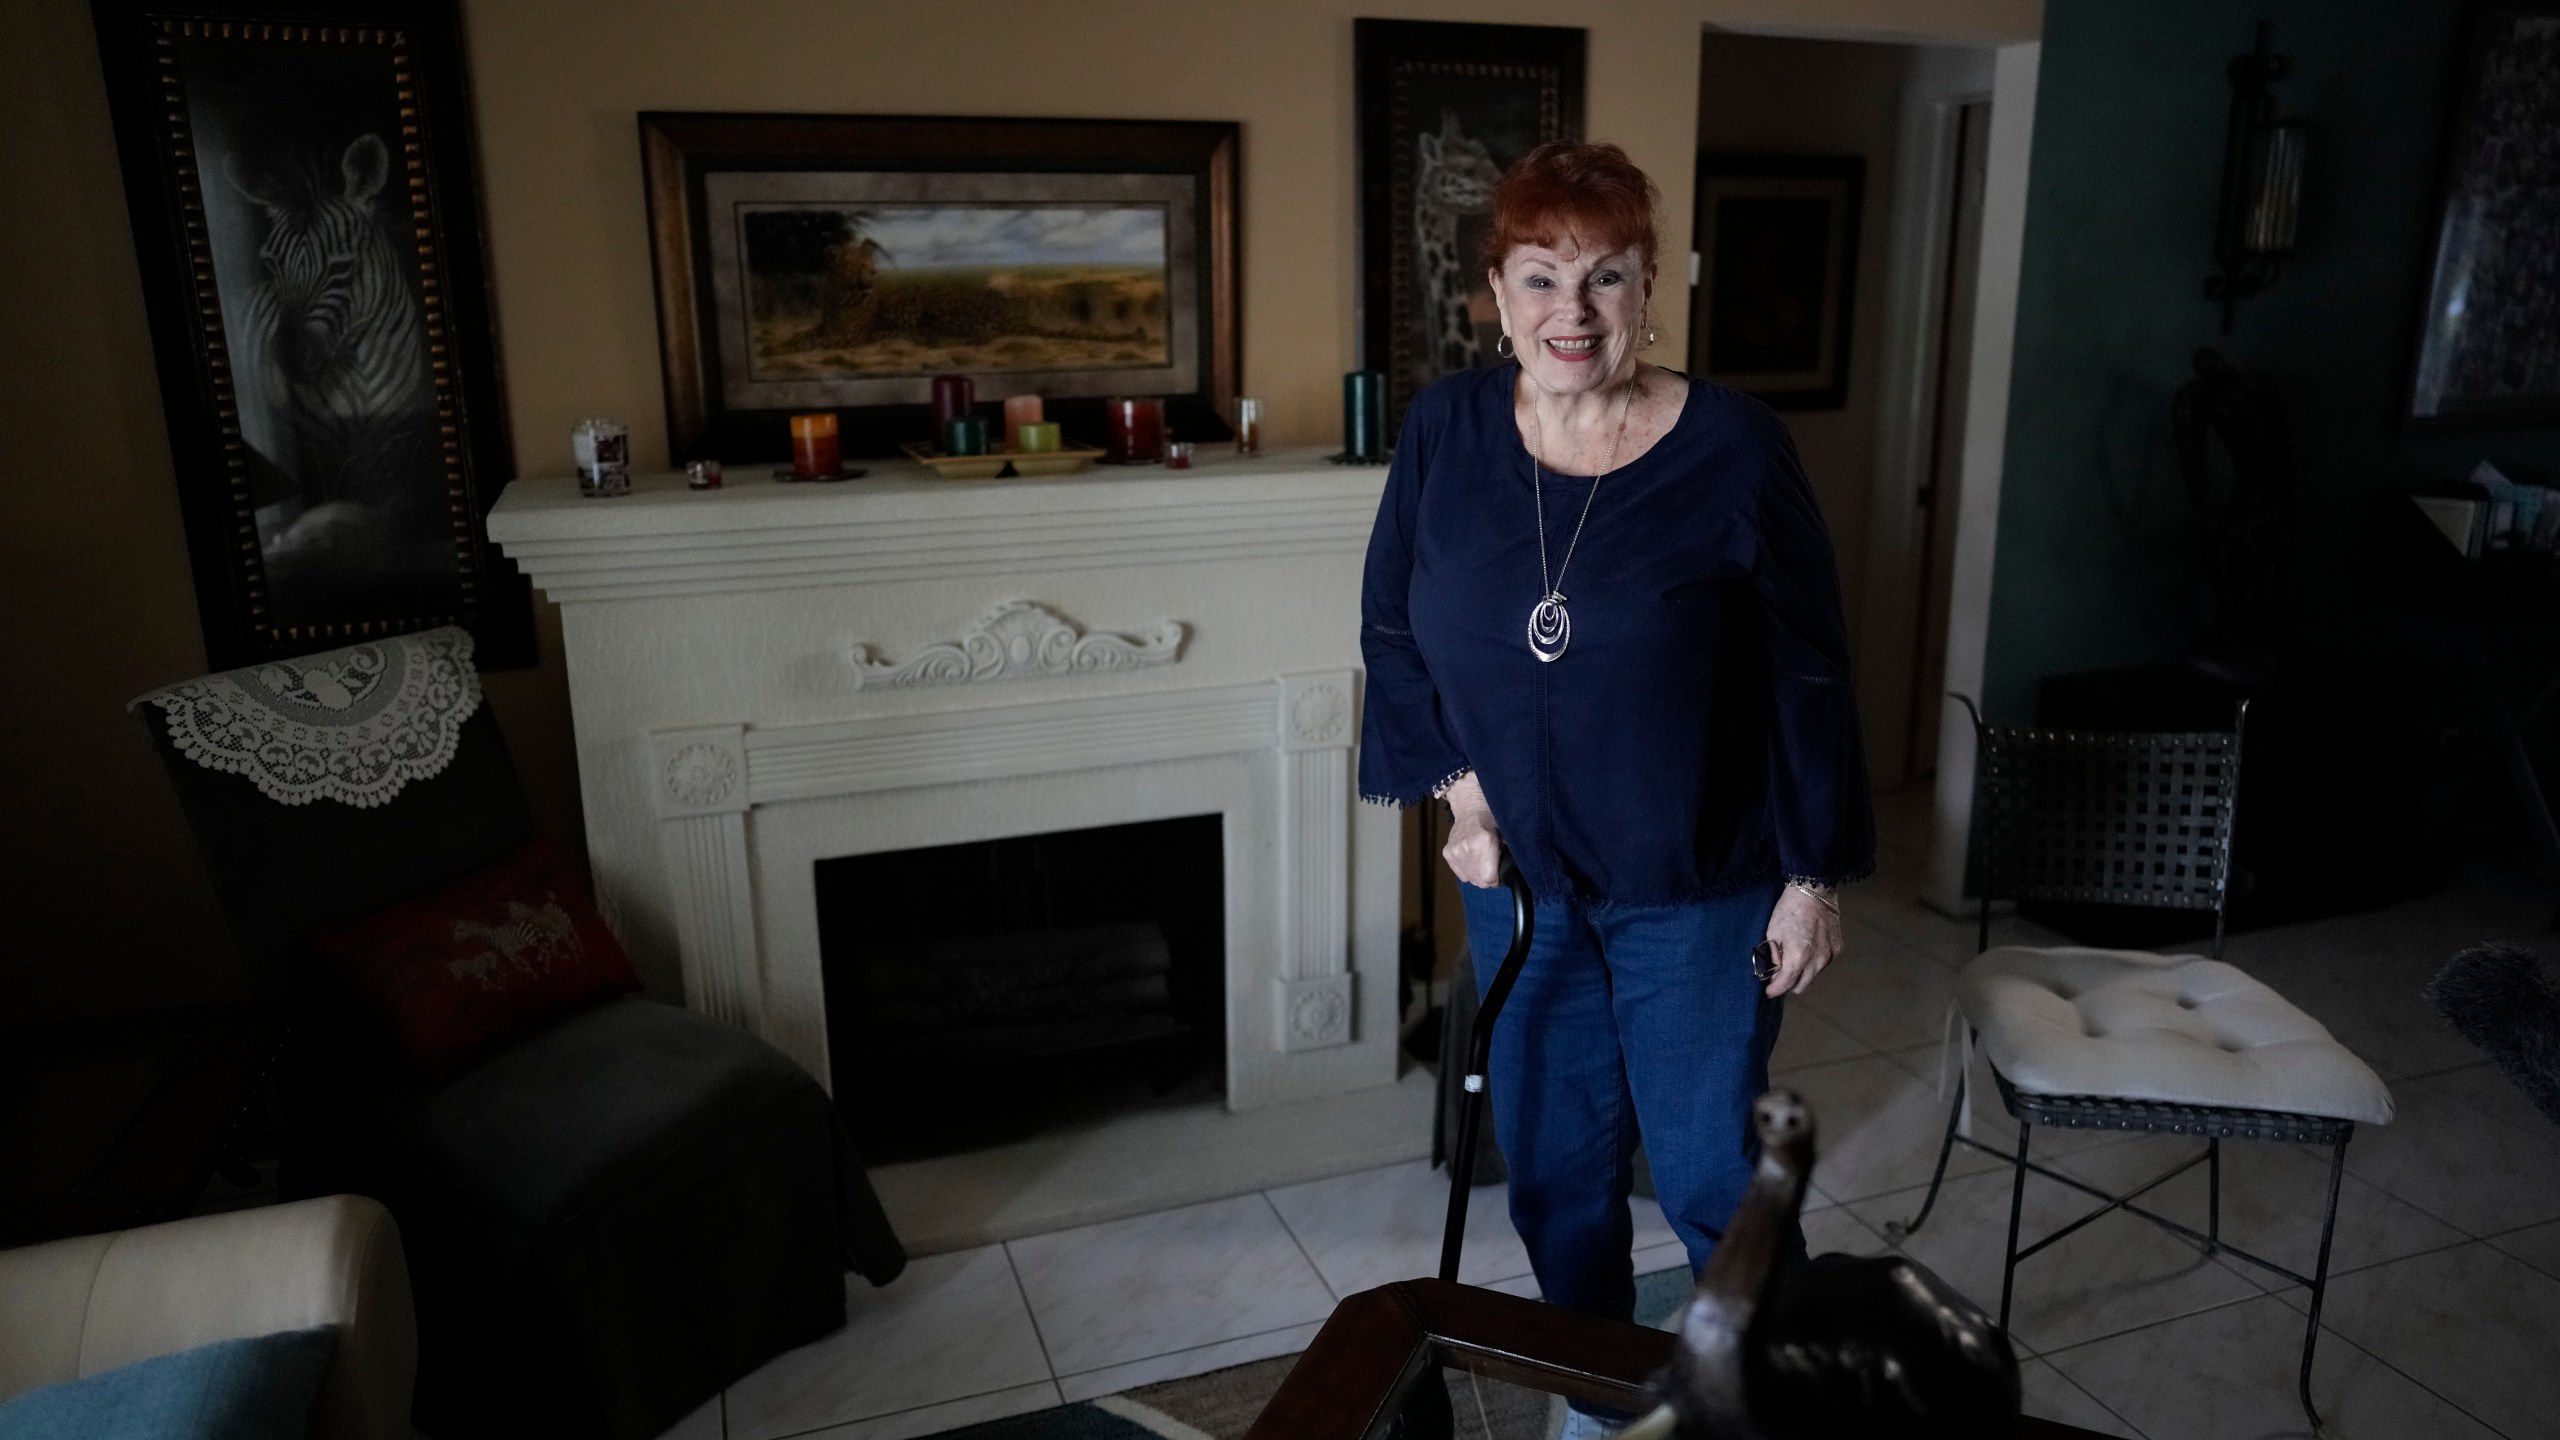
x: 1462, y: 1163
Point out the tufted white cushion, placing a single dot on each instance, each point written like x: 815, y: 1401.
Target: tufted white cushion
x: 2123, y: 1024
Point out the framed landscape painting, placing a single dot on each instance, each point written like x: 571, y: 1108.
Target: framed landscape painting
x: 839, y: 263
x: 2489, y: 337
x: 1778, y: 247
x: 1443, y: 110
x: 306, y: 218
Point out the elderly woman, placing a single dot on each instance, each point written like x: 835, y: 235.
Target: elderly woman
x: 1602, y: 620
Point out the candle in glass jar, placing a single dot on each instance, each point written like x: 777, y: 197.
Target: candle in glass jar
x: 603, y: 448
x: 1137, y: 431
x: 1248, y: 426
x: 952, y: 395
x: 1177, y: 454
x: 1019, y: 410
x: 1364, y: 417
x: 1039, y: 437
x: 813, y: 445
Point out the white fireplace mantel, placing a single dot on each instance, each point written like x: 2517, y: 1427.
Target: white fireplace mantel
x: 770, y: 675
x: 902, y: 522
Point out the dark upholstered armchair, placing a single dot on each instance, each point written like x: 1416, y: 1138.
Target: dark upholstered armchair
x: 610, y: 1217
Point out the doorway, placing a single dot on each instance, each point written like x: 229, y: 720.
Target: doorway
x: 1790, y: 297
x: 1965, y: 132
x: 1884, y: 448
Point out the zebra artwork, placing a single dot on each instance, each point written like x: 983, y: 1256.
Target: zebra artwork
x: 332, y: 369
x: 306, y: 213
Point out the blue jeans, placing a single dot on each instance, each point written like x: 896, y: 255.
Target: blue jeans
x: 1625, y: 1019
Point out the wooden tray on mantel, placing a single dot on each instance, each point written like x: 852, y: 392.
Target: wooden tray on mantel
x: 995, y: 462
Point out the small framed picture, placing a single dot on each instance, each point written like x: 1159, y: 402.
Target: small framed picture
x: 2489, y: 337
x: 306, y: 214
x: 841, y: 262
x: 1778, y: 247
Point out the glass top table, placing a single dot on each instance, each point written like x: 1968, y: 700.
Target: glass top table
x: 1378, y: 1345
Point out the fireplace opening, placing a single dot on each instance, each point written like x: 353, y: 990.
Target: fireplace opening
x: 986, y: 992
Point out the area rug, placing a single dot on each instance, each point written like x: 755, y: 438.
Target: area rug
x: 1222, y: 1404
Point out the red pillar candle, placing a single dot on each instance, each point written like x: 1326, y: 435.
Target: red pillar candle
x: 813, y: 445
x: 1137, y: 431
x: 1020, y: 410
x: 952, y: 395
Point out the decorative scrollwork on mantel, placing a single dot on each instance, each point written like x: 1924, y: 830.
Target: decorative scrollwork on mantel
x: 1019, y: 640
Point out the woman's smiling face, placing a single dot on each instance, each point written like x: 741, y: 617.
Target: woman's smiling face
x: 1575, y: 316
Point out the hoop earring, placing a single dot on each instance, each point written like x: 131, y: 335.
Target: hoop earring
x: 1502, y: 345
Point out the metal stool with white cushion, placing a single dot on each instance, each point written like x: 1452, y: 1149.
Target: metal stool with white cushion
x: 2128, y: 1040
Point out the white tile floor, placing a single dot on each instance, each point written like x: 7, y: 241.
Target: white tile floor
x: 2441, y: 1318
x: 1074, y: 1314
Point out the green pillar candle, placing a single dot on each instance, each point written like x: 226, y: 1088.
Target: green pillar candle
x: 965, y: 435
x: 1364, y: 415
x: 1039, y: 437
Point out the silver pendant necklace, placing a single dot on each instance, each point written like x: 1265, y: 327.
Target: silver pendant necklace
x: 1550, y: 627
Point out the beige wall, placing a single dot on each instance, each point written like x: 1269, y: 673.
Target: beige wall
x: 558, y: 84
x: 107, y: 904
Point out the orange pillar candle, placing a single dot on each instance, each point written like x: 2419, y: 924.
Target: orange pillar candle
x: 813, y: 445
x: 1019, y: 410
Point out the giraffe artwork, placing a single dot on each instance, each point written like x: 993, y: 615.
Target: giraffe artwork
x: 1453, y: 177
x: 1443, y: 109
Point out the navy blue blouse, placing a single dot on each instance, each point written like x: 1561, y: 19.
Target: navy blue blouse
x: 1699, y: 734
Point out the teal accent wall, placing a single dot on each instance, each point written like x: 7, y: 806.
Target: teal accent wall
x: 2098, y: 558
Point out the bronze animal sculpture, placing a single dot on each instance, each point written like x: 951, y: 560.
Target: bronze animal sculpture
x: 1836, y: 1347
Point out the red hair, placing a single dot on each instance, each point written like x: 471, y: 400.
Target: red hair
x: 1573, y: 191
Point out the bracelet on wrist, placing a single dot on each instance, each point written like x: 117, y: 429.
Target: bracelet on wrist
x: 1823, y: 895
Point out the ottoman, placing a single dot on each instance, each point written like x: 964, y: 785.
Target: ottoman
x: 2173, y: 1044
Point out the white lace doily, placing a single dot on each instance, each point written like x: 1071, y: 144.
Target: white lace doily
x: 352, y: 725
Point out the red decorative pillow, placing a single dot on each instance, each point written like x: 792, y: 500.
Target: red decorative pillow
x: 486, y: 956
